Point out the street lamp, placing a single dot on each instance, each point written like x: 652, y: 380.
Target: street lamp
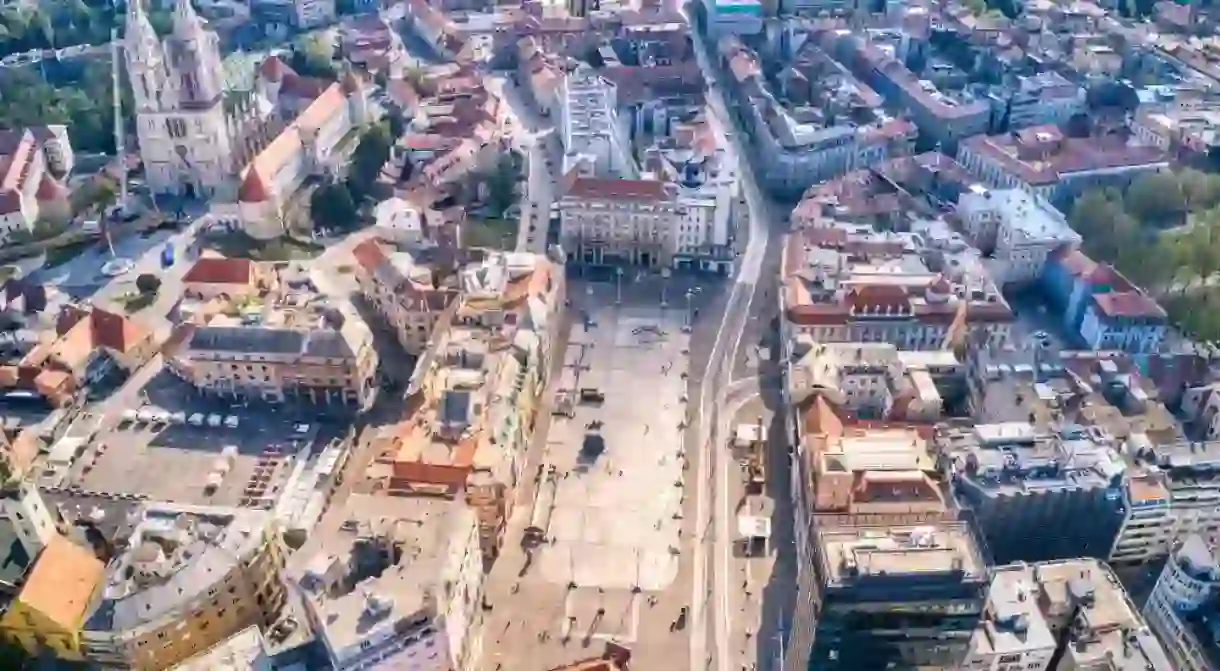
x: 664, y: 286
x: 618, y: 285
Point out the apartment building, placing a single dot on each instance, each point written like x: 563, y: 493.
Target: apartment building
x: 588, y: 126
x: 1181, y: 610
x: 1046, y: 98
x: 1187, y: 131
x: 1017, y: 229
x: 813, y: 121
x: 48, y: 612
x: 1066, y: 615
x: 1036, y: 496
x: 399, y: 585
x: 849, y: 283
x: 897, y: 595
x: 475, y: 394
x: 309, y: 14
x: 1045, y: 163
x: 402, y: 286
x: 1170, y: 495
x: 283, y: 348
x: 188, y: 578
x: 244, y: 651
x: 943, y: 116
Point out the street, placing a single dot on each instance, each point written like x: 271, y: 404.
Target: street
x: 713, y: 590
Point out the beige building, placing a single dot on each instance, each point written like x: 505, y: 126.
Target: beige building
x: 609, y: 221
x: 474, y: 397
x: 403, y: 291
x: 215, y: 277
x: 189, y: 578
x: 320, y: 362
x: 398, y: 586
x: 28, y: 189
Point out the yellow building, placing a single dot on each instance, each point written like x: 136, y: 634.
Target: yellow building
x: 51, y: 607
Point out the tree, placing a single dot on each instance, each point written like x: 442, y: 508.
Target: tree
x: 314, y: 56
x: 502, y: 184
x: 368, y: 160
x: 1155, y: 197
x: 1200, y: 190
x: 148, y: 284
x: 331, y: 206
x: 396, y: 124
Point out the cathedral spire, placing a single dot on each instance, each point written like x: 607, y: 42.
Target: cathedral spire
x: 141, y: 38
x: 186, y: 21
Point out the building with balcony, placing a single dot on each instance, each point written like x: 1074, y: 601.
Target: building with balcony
x: 187, y: 578
x: 1183, y: 610
x: 897, y: 595
x: 398, y: 585
x: 608, y: 221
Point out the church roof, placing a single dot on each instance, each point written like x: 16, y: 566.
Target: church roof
x: 254, y: 188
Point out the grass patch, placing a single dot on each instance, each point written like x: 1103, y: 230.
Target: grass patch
x: 238, y: 244
x: 58, y: 256
x: 490, y: 233
x: 134, y: 302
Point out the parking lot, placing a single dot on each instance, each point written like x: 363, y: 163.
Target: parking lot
x: 182, y: 448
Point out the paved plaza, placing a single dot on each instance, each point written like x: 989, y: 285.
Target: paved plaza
x: 617, y: 516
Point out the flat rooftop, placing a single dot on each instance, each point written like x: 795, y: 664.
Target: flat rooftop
x: 852, y: 553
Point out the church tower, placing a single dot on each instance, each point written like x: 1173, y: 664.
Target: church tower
x: 179, y: 92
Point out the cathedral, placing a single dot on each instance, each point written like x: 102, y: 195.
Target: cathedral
x: 182, y: 121
x: 250, y: 149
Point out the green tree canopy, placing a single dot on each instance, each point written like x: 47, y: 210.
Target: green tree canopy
x: 331, y: 206
x: 369, y: 158
x: 1156, y: 197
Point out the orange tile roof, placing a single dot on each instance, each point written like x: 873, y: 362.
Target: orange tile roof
x: 62, y: 583
x: 321, y: 109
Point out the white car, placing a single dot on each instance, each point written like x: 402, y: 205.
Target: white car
x: 196, y: 419
x: 231, y: 421
x: 145, y: 415
x: 300, y: 428
x: 214, y: 420
x: 178, y: 418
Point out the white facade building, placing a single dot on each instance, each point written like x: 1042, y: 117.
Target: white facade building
x: 1020, y: 230
x: 1014, y: 634
x: 1185, y: 597
x: 588, y: 125
x: 181, y: 120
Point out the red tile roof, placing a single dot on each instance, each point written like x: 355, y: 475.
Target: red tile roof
x: 1128, y: 304
x: 369, y: 255
x: 253, y: 188
x: 618, y: 189
x: 218, y: 270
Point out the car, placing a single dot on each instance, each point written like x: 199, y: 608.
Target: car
x: 231, y: 421
x: 145, y: 415
x: 196, y: 419
x: 214, y: 420
x: 300, y: 428
x: 178, y: 418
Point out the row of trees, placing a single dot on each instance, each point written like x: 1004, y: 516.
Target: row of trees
x: 1127, y: 229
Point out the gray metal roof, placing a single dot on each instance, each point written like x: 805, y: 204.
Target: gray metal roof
x: 247, y: 339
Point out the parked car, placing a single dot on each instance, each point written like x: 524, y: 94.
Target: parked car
x: 196, y: 419
x: 177, y: 418
x: 214, y: 420
x: 231, y: 421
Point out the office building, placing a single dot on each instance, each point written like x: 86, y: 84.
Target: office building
x: 1036, y: 496
x: 1184, y: 607
x: 896, y: 596
x: 588, y: 126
